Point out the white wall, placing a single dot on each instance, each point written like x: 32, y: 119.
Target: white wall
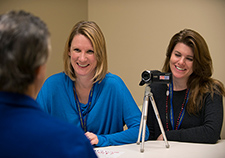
x: 59, y: 15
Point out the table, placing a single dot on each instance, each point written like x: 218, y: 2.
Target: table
x: 157, y: 149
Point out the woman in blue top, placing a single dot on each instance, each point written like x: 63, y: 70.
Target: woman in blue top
x: 86, y: 95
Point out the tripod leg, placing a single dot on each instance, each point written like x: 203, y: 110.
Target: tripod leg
x: 159, y: 120
x: 144, y: 118
x: 141, y: 125
x: 145, y: 112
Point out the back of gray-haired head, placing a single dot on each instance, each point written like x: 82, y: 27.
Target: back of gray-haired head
x: 24, y: 46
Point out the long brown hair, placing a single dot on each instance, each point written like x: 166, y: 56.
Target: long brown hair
x: 200, y: 81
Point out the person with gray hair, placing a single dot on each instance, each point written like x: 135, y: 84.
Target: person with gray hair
x: 25, y: 130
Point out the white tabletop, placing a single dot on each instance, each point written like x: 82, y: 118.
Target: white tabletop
x: 157, y: 149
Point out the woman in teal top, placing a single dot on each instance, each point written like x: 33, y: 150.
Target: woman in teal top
x: 86, y: 95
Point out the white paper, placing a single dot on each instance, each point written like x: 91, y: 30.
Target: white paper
x: 107, y: 153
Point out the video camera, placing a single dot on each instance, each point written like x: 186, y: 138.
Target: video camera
x: 155, y: 76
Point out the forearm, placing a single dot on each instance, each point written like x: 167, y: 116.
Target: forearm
x: 196, y: 134
x: 124, y: 137
x: 209, y: 130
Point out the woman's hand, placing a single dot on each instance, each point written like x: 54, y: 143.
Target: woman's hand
x: 160, y: 137
x: 92, y: 137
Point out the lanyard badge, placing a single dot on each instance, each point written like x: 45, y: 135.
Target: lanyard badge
x: 83, y: 119
x: 182, y: 111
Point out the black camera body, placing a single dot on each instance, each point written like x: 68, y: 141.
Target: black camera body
x: 155, y: 76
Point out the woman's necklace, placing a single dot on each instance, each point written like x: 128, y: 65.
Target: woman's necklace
x: 169, y: 92
x: 83, y: 120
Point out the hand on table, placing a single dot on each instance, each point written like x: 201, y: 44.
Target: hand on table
x: 160, y: 137
x: 92, y: 137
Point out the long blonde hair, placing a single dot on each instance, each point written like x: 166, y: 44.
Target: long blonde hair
x: 92, y: 31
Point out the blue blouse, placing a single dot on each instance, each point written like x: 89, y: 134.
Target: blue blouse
x: 112, y: 107
x: 26, y: 131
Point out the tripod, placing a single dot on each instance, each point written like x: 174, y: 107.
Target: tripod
x: 148, y: 95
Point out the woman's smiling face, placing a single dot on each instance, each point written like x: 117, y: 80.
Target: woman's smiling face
x: 82, y: 56
x: 181, y: 61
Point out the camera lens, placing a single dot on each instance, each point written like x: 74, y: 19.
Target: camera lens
x: 146, y: 76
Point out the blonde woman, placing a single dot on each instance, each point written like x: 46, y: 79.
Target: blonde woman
x: 87, y: 95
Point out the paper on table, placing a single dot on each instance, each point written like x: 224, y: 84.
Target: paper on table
x: 107, y: 153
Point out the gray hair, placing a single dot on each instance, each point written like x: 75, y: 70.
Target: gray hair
x: 24, y: 46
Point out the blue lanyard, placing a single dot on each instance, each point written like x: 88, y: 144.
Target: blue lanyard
x: 83, y: 120
x: 180, y: 118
